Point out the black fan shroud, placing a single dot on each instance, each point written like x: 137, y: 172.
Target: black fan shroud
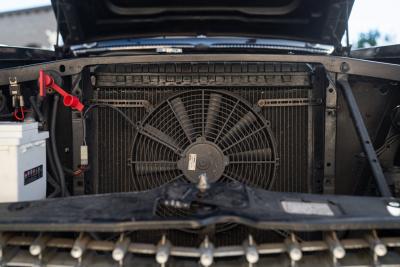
x: 203, y: 131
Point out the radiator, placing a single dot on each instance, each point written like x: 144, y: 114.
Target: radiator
x: 282, y: 94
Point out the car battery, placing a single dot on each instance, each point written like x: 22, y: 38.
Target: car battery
x: 22, y: 161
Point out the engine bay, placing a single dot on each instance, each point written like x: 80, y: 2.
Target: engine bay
x: 161, y: 155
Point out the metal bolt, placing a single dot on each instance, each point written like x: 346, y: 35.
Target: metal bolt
x: 163, y: 251
x: 118, y: 254
x: 207, y: 254
x: 251, y: 251
x: 79, y: 246
x: 336, y: 248
x: 76, y: 252
x: 376, y: 245
x: 120, y: 249
x: 338, y: 252
x: 38, y: 245
x: 203, y: 184
x: 380, y: 250
x: 295, y: 254
x: 344, y: 67
x: 35, y: 250
x: 293, y: 248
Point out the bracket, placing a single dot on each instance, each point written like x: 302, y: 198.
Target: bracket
x: 364, y: 137
x: 330, y: 138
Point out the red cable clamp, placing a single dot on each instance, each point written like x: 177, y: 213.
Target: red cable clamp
x: 46, y: 81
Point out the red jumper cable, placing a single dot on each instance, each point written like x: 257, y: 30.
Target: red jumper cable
x: 19, y: 113
x: 47, y: 81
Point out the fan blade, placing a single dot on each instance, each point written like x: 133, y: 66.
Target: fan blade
x: 142, y: 168
x: 236, y: 131
x: 212, y: 113
x: 252, y: 155
x: 160, y: 137
x: 182, y: 116
x: 232, y: 178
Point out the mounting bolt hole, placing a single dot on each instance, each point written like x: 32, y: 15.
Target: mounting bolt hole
x: 77, y: 92
x: 62, y: 68
x: 328, y: 164
x: 330, y: 90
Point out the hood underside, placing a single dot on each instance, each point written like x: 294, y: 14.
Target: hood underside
x: 305, y: 20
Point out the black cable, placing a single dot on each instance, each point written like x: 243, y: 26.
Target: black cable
x: 50, y: 159
x: 84, y: 116
x: 54, y: 184
x: 68, y: 171
x: 57, y: 161
x: 2, y: 102
x: 112, y: 107
x: 393, y: 114
x: 35, y: 107
x: 49, y: 154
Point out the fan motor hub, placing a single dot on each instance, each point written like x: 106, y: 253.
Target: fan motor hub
x: 203, y: 157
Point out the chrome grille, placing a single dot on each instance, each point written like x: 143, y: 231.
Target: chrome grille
x: 365, y: 248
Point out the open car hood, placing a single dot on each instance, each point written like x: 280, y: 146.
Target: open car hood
x: 313, y: 21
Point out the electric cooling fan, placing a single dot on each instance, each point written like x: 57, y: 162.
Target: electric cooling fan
x: 203, y: 132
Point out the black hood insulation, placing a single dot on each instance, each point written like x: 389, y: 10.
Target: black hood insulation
x: 313, y: 21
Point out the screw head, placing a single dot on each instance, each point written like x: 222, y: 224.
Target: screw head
x: 344, y: 67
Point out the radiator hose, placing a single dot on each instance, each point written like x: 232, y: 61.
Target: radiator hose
x: 53, y: 143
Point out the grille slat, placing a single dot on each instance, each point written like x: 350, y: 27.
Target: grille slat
x: 58, y: 250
